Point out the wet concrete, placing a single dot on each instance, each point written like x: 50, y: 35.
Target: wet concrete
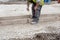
x: 17, y: 28
x: 41, y: 36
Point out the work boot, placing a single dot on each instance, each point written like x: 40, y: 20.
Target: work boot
x: 34, y: 21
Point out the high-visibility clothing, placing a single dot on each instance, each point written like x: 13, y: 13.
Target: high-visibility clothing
x: 41, y: 2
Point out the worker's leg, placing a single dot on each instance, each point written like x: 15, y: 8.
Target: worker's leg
x: 33, y: 11
x: 37, y: 13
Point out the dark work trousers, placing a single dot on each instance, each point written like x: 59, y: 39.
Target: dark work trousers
x: 36, y: 13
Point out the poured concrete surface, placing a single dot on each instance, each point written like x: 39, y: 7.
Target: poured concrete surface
x: 15, y: 26
x: 20, y: 9
x: 20, y: 30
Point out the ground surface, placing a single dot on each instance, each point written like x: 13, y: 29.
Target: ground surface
x: 20, y: 9
x: 16, y: 27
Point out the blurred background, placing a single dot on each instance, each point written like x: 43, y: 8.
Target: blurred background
x: 24, y: 1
